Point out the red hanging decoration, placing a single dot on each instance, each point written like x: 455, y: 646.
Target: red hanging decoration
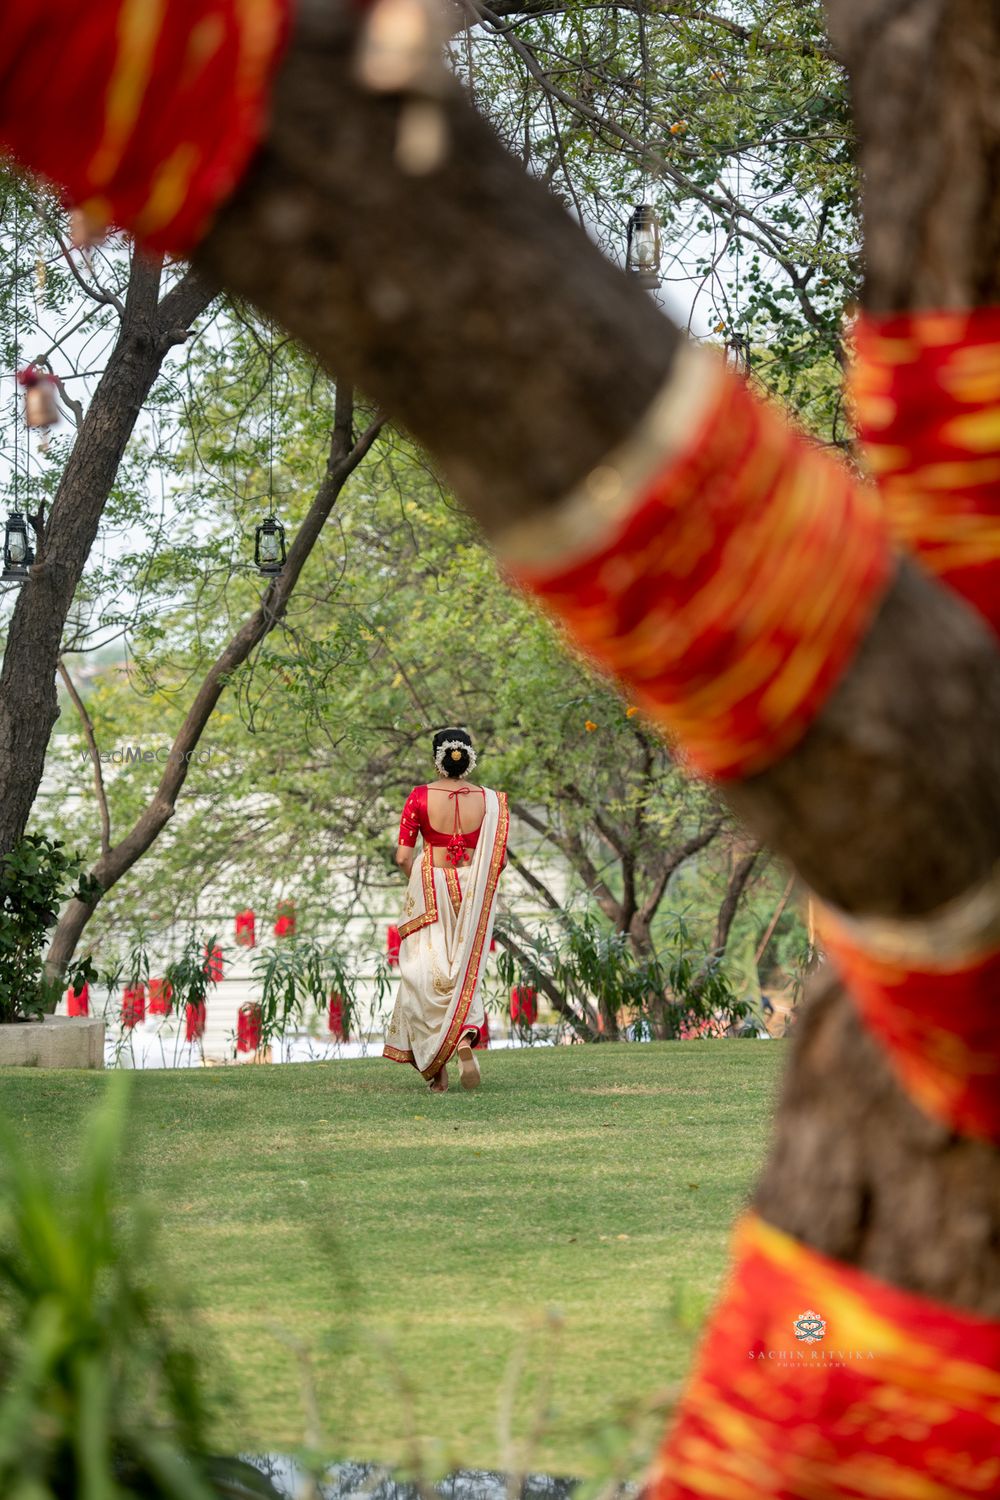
x: 133, y: 1005
x: 248, y: 1027
x: 213, y: 963
x: 153, y: 123
x: 524, y: 1005
x: 194, y: 1021
x: 40, y: 409
x: 246, y: 929
x: 335, y: 1018
x: 285, y: 925
x: 493, y: 945
x: 160, y: 995
x: 392, y: 945
x: 78, y: 1002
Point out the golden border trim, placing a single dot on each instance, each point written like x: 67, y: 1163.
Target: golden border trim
x: 454, y: 889
x: 430, y: 911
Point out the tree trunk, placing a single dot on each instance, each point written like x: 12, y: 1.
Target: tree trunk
x: 28, y: 704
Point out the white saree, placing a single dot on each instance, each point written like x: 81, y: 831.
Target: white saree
x: 444, y: 938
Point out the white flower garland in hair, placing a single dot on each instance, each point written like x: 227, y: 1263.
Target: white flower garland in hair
x: 439, y: 756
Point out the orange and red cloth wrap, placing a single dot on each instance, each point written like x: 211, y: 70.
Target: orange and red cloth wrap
x: 896, y: 1398
x: 146, y: 111
x: 732, y: 593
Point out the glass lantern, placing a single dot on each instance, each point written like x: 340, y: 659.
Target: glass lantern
x: 269, y: 547
x: 17, y: 554
x: 642, y: 257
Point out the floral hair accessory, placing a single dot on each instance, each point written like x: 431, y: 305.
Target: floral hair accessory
x: 446, y: 745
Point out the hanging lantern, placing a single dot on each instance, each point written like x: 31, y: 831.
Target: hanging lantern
x: 285, y: 925
x: 248, y: 1027
x: 78, y: 1001
x: 269, y: 547
x: 738, y: 354
x: 40, y: 409
x: 194, y: 1021
x: 642, y: 254
x: 213, y: 963
x: 133, y: 1005
x: 161, y: 993
x: 523, y: 1005
x: 392, y: 945
x: 17, y: 553
x: 335, y: 1018
x: 482, y: 1042
x: 246, y: 929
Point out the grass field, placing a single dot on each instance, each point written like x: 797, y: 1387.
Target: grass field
x: 342, y: 1229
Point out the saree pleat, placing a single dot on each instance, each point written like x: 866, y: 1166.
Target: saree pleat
x: 445, y: 936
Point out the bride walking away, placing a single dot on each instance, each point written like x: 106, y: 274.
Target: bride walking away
x: 447, y: 915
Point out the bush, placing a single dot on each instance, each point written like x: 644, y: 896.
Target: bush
x: 35, y: 880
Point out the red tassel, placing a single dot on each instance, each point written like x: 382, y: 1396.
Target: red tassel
x: 194, y: 1021
x: 392, y: 946
x: 246, y: 929
x: 78, y: 1003
x: 524, y: 1004
x: 248, y: 1027
x: 160, y: 995
x: 133, y: 1005
x: 335, y: 1018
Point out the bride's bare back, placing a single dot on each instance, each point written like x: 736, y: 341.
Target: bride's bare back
x: 441, y: 811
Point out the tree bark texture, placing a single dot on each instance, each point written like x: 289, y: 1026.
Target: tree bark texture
x: 28, y: 703
x: 117, y: 860
x: 472, y: 308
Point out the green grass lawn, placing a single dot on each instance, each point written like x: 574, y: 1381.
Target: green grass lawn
x: 340, y: 1227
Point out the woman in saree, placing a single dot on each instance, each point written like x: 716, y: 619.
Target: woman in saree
x: 447, y: 915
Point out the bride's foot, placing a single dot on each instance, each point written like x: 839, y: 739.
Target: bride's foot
x: 439, y: 1083
x: 468, y: 1068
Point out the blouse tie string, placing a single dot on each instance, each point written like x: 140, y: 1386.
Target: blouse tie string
x: 456, y: 844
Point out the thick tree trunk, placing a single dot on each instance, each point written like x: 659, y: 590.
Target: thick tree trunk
x: 28, y: 704
x: 118, y: 859
x: 468, y: 303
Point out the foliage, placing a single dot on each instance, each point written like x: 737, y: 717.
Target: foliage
x: 34, y: 881
x: 610, y: 991
x: 299, y: 975
x: 100, y: 1399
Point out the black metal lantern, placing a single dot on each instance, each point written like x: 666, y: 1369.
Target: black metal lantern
x: 738, y: 354
x: 642, y: 256
x: 17, y: 554
x: 269, y: 547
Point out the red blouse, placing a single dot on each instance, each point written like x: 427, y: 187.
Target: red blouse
x: 415, y: 820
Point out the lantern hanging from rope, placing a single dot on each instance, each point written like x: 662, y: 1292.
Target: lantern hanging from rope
x: 246, y: 929
x: 194, y: 1021
x: 78, y: 1001
x: 269, y: 547
x: 523, y: 1005
x: 213, y: 963
x: 392, y: 946
x: 160, y: 996
x: 133, y: 1005
x: 335, y: 1021
x: 738, y: 354
x: 17, y: 552
x: 642, y: 246
x: 248, y: 1027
